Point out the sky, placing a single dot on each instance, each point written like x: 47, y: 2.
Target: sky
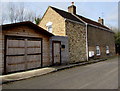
x: 92, y: 10
x: 119, y: 16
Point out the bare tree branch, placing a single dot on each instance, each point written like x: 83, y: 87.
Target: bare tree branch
x: 29, y: 15
x: 18, y: 13
x: 11, y: 12
x: 21, y: 11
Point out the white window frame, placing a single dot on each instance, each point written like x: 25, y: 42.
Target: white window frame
x: 91, y: 53
x: 98, y: 51
x: 49, y: 27
x: 107, y: 50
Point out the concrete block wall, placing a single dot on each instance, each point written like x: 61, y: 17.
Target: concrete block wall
x: 64, y: 52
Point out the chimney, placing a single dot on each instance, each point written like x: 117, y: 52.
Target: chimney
x: 72, y: 9
x: 101, y: 21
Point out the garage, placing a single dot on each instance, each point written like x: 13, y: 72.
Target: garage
x: 23, y: 53
x: 26, y: 46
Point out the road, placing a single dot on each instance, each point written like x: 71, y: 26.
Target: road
x: 101, y: 75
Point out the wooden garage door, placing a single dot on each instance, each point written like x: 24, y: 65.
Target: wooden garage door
x: 23, y: 53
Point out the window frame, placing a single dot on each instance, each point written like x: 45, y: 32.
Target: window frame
x: 107, y: 49
x: 98, y: 53
x: 49, y: 27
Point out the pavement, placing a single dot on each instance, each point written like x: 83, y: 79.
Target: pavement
x: 42, y: 71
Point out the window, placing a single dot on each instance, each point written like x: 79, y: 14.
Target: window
x: 91, y: 53
x: 107, y: 50
x: 49, y: 26
x: 97, y: 50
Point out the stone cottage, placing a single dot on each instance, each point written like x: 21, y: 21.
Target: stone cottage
x: 87, y: 39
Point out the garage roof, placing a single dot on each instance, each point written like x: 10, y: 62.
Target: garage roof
x: 27, y: 23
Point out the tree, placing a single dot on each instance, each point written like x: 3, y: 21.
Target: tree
x: 21, y: 12
x: 3, y: 15
x: 37, y: 20
x: 2, y: 18
x: 117, y: 42
x: 117, y: 39
x: 29, y: 16
x: 12, y: 12
x: 18, y: 13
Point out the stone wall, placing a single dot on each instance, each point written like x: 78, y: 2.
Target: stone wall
x: 77, y: 41
x: 1, y: 52
x: 58, y: 26
x: 64, y: 51
x: 102, y: 38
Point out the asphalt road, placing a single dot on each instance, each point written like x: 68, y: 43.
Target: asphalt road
x: 102, y: 75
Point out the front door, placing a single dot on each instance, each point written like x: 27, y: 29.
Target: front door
x: 56, y: 52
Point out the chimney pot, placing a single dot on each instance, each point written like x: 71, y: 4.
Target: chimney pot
x: 72, y: 9
x: 101, y: 21
x: 72, y: 3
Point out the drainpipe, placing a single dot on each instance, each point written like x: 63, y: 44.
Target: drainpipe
x: 87, y: 41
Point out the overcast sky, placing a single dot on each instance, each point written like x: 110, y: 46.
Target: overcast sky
x: 91, y: 10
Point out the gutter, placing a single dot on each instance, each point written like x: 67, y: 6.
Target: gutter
x: 87, y: 40
x: 94, y: 25
x: 73, y: 21
x: 104, y: 29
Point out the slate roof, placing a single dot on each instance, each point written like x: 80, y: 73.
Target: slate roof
x: 29, y: 24
x: 66, y: 15
x: 92, y: 22
x: 76, y: 17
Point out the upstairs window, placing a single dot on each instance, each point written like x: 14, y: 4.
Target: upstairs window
x: 97, y: 50
x: 49, y: 27
x: 107, y: 50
